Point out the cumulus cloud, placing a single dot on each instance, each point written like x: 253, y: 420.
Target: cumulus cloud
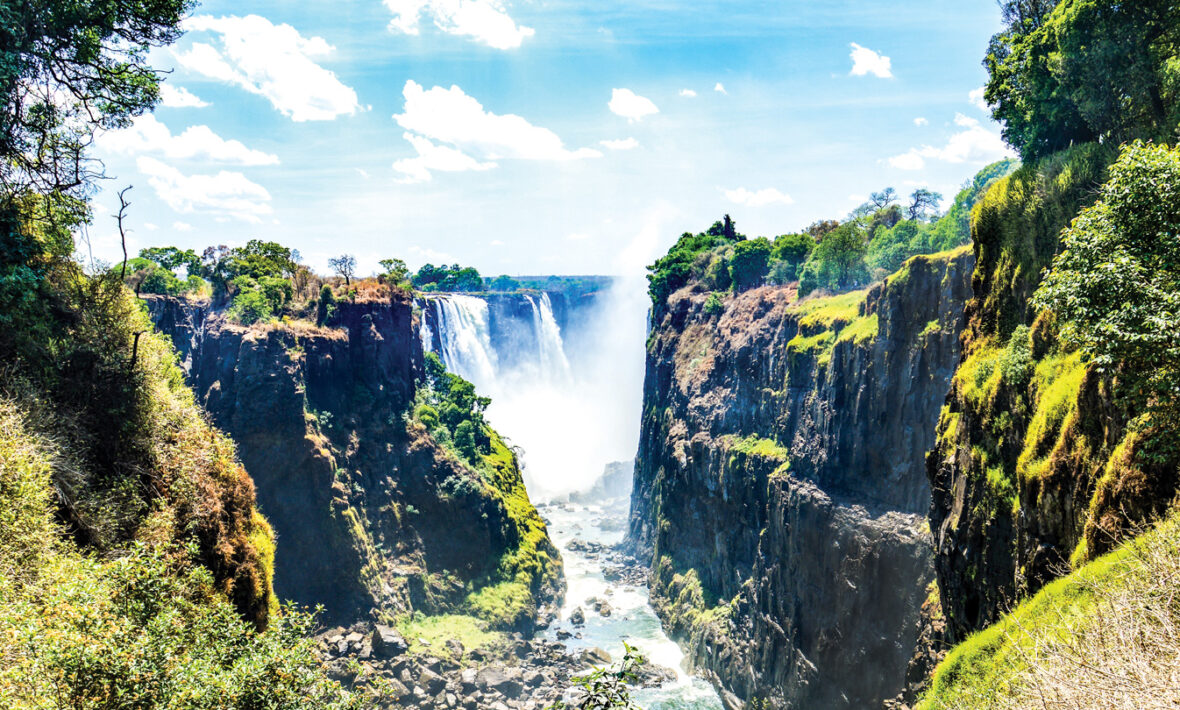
x: 273, y: 61
x: 920, y: 121
x: 865, y: 61
x: 182, y: 227
x: 434, y: 157
x: 976, y: 98
x: 148, y: 135
x: 449, y: 116
x: 631, y: 106
x: 720, y: 88
x: 484, y: 21
x: 973, y: 144
x: 623, y: 144
x: 226, y: 193
x: 179, y: 97
x: 688, y: 93
x: 758, y: 198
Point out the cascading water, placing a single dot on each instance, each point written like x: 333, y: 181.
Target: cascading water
x: 571, y: 412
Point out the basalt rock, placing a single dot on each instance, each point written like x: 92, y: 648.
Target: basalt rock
x: 371, y: 513
x: 780, y: 482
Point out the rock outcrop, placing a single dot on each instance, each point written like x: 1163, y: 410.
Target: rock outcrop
x: 780, y: 483
x: 370, y: 512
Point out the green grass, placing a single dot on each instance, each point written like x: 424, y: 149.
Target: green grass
x: 1055, y: 384
x: 993, y: 664
x: 860, y: 331
x: 435, y: 631
x: 830, y: 313
x: 755, y: 445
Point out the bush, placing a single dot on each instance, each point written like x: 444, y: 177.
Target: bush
x: 249, y: 307
x: 714, y: 306
x: 326, y: 306
x: 750, y: 263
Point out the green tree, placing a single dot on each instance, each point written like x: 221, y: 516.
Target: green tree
x: 923, y: 203
x: 172, y: 258
x: 750, y: 263
x: 838, y: 261
x: 792, y: 250
x: 326, y: 306
x: 504, y: 283
x: 67, y: 69
x: 1115, y: 287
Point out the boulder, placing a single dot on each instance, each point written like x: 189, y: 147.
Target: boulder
x: 387, y: 642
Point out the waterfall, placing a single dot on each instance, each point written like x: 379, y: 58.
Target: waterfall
x: 554, y: 365
x: 465, y: 339
x: 572, y: 411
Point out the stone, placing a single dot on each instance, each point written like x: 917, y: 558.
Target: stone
x: 499, y: 680
x: 455, y: 648
x: 387, y: 642
x: 595, y: 657
x: 433, y: 682
x: 577, y: 616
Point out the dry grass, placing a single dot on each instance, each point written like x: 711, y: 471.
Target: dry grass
x: 1105, y: 637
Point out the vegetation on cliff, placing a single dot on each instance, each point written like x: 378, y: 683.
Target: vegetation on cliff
x: 1058, y: 440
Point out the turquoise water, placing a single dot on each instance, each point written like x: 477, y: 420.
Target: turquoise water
x: 632, y: 619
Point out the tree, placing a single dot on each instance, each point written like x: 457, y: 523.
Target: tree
x: 69, y: 68
x: 884, y: 198
x: 841, y: 254
x: 395, y: 274
x: 791, y: 251
x: 750, y: 263
x: 259, y: 259
x: 820, y: 228
x: 923, y: 203
x: 172, y: 258
x: 1115, y: 288
x: 326, y: 307
x: 345, y: 266
x: 504, y: 282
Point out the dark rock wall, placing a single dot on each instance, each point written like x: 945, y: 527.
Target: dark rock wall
x: 366, y: 507
x: 780, y: 481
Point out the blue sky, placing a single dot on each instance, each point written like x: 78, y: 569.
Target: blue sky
x: 543, y: 136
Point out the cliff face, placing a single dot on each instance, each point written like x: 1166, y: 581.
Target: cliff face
x: 371, y: 513
x: 1035, y: 471
x: 780, y: 481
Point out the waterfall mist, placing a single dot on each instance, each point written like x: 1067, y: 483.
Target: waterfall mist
x: 569, y: 398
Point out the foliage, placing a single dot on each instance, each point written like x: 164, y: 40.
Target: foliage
x: 607, y: 688
x: 396, y: 273
x: 452, y: 411
x: 789, y: 253
x: 1106, y: 636
x: 504, y: 282
x: 447, y: 278
x: 674, y: 270
x: 429, y: 634
x: 714, y: 306
x: 837, y: 262
x: 325, y: 306
x: 68, y: 69
x: 1090, y: 70
x: 1115, y: 288
x: 750, y: 263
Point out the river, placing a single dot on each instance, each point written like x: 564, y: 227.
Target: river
x: 570, y: 410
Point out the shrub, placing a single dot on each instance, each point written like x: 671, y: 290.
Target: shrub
x: 250, y: 306
x: 326, y: 306
x: 750, y: 263
x: 714, y: 306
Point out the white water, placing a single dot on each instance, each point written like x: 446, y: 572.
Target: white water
x: 571, y: 412
x: 573, y: 409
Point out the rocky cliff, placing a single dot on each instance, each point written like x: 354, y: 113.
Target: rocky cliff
x: 1035, y: 471
x: 780, y: 481
x: 372, y: 514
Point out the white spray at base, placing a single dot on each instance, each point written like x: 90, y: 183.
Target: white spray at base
x: 571, y: 412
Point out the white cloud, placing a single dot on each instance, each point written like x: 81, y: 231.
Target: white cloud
x: 631, y: 106
x: 148, y: 135
x: 419, y: 255
x: 976, y: 98
x: 720, y: 88
x: 865, y: 61
x: 273, y: 61
x: 688, y: 93
x: 497, y: 243
x: 226, y: 193
x: 434, y: 157
x: 179, y: 97
x: 363, y: 173
x: 920, y: 121
x: 758, y: 198
x: 623, y: 144
x: 485, y: 21
x: 150, y: 227
x: 974, y: 144
x: 182, y: 226
x: 451, y: 116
